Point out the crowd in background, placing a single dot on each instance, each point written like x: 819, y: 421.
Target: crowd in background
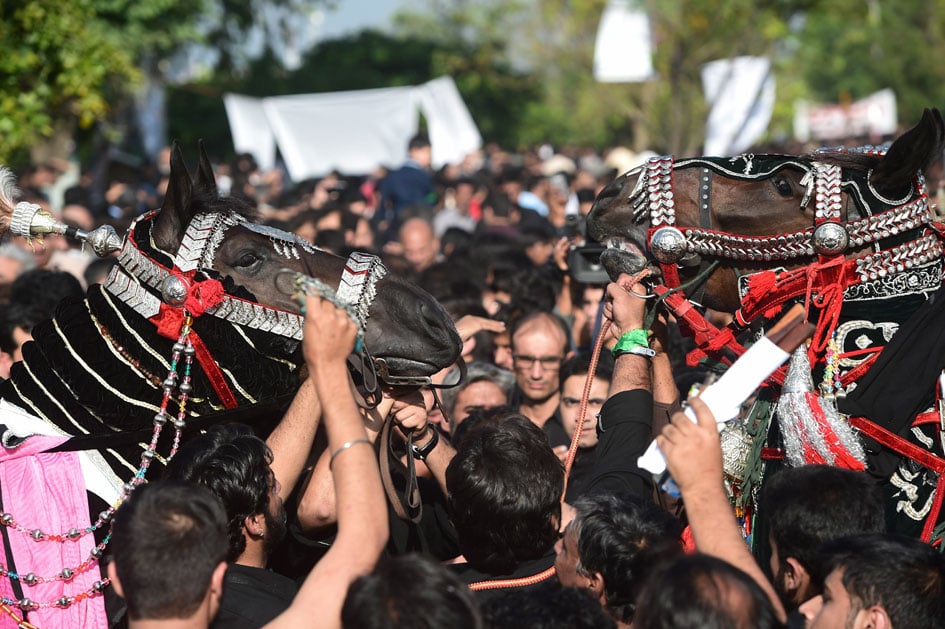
x: 497, y: 239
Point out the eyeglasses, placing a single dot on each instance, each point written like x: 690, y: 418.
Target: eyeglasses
x: 548, y: 363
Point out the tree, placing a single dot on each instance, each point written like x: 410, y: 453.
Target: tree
x: 60, y: 63
x: 848, y: 49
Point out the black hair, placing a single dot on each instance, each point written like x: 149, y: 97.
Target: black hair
x: 455, y: 241
x: 233, y: 463
x: 43, y: 289
x: 410, y: 592
x: 17, y: 315
x: 504, y: 490
x: 332, y: 240
x: 903, y: 575
x: 625, y: 539
x: 479, y: 416
x: 419, y: 141
x: 98, y: 268
x: 580, y: 364
x: 167, y: 539
x: 809, y: 505
x: 703, y: 592
x: 477, y: 371
x: 548, y: 605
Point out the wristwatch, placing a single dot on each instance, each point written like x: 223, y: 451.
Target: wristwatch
x: 420, y: 453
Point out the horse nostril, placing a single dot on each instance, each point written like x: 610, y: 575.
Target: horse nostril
x: 430, y: 316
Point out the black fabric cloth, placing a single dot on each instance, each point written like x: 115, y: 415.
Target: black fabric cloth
x: 469, y: 575
x: 433, y: 534
x: 624, y: 431
x: 900, y: 384
x: 252, y: 597
x: 554, y: 430
x: 581, y: 472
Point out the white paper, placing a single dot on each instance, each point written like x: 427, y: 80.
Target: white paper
x: 726, y: 396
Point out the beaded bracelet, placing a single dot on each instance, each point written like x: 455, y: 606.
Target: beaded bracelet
x: 345, y: 446
x: 630, y: 340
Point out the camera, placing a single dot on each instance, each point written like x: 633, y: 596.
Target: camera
x: 583, y: 259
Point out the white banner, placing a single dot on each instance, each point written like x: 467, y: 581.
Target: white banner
x: 873, y: 117
x: 740, y: 96
x: 623, y: 49
x: 353, y: 132
x: 250, y: 128
x: 453, y: 134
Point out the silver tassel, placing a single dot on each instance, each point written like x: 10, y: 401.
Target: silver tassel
x: 802, y: 434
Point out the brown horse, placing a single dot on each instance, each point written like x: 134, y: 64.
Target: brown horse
x: 848, y: 233
x: 191, y: 327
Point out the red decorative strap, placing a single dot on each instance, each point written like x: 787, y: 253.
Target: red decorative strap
x: 201, y: 296
x: 897, y: 444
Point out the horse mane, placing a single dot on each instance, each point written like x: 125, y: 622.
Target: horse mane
x: 210, y: 202
x: 848, y: 160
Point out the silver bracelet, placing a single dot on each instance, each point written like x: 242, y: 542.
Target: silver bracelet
x: 345, y: 446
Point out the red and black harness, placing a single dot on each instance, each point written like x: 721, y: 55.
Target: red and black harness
x: 821, y: 283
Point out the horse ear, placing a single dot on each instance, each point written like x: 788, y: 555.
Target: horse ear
x: 913, y: 152
x: 174, y: 216
x: 205, y: 181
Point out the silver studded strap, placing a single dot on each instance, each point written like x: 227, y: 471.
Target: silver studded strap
x: 358, y: 285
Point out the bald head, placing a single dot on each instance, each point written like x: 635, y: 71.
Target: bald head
x: 419, y: 243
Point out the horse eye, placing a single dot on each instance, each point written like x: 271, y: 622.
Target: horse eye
x: 783, y: 187
x: 248, y: 259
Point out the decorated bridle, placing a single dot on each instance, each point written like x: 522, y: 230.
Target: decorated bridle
x: 830, y: 239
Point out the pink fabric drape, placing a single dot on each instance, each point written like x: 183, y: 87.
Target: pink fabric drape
x: 46, y: 491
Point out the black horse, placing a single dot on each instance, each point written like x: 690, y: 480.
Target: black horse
x: 190, y: 328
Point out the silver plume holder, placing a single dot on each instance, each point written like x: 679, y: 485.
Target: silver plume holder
x: 32, y: 221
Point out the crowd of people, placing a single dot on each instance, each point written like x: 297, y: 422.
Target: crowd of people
x: 294, y: 529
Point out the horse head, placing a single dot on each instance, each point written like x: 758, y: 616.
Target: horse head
x: 753, y: 212
x: 405, y: 326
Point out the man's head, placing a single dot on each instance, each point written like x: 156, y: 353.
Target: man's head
x: 14, y: 260
x: 539, y: 345
x: 504, y: 487
x: 879, y: 581
x: 410, y: 591
x: 16, y: 328
x: 548, y: 605
x: 807, y: 506
x: 485, y: 386
x: 233, y: 464
x: 572, y: 379
x: 612, y: 547
x: 705, y: 592
x: 420, y: 244
x: 169, y: 550
x: 419, y: 150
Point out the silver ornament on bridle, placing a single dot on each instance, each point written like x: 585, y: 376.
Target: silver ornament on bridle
x: 143, y: 284
x: 830, y: 239
x: 668, y: 245
x: 653, y: 198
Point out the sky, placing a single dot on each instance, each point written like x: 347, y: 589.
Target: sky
x: 351, y: 16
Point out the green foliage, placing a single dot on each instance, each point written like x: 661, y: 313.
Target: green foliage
x: 849, y: 49
x: 60, y: 63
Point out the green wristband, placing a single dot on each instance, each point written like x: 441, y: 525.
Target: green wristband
x: 630, y: 340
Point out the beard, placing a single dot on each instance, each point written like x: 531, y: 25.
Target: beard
x: 275, y: 528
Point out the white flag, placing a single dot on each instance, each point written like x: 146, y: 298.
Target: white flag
x: 740, y: 95
x: 622, y: 52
